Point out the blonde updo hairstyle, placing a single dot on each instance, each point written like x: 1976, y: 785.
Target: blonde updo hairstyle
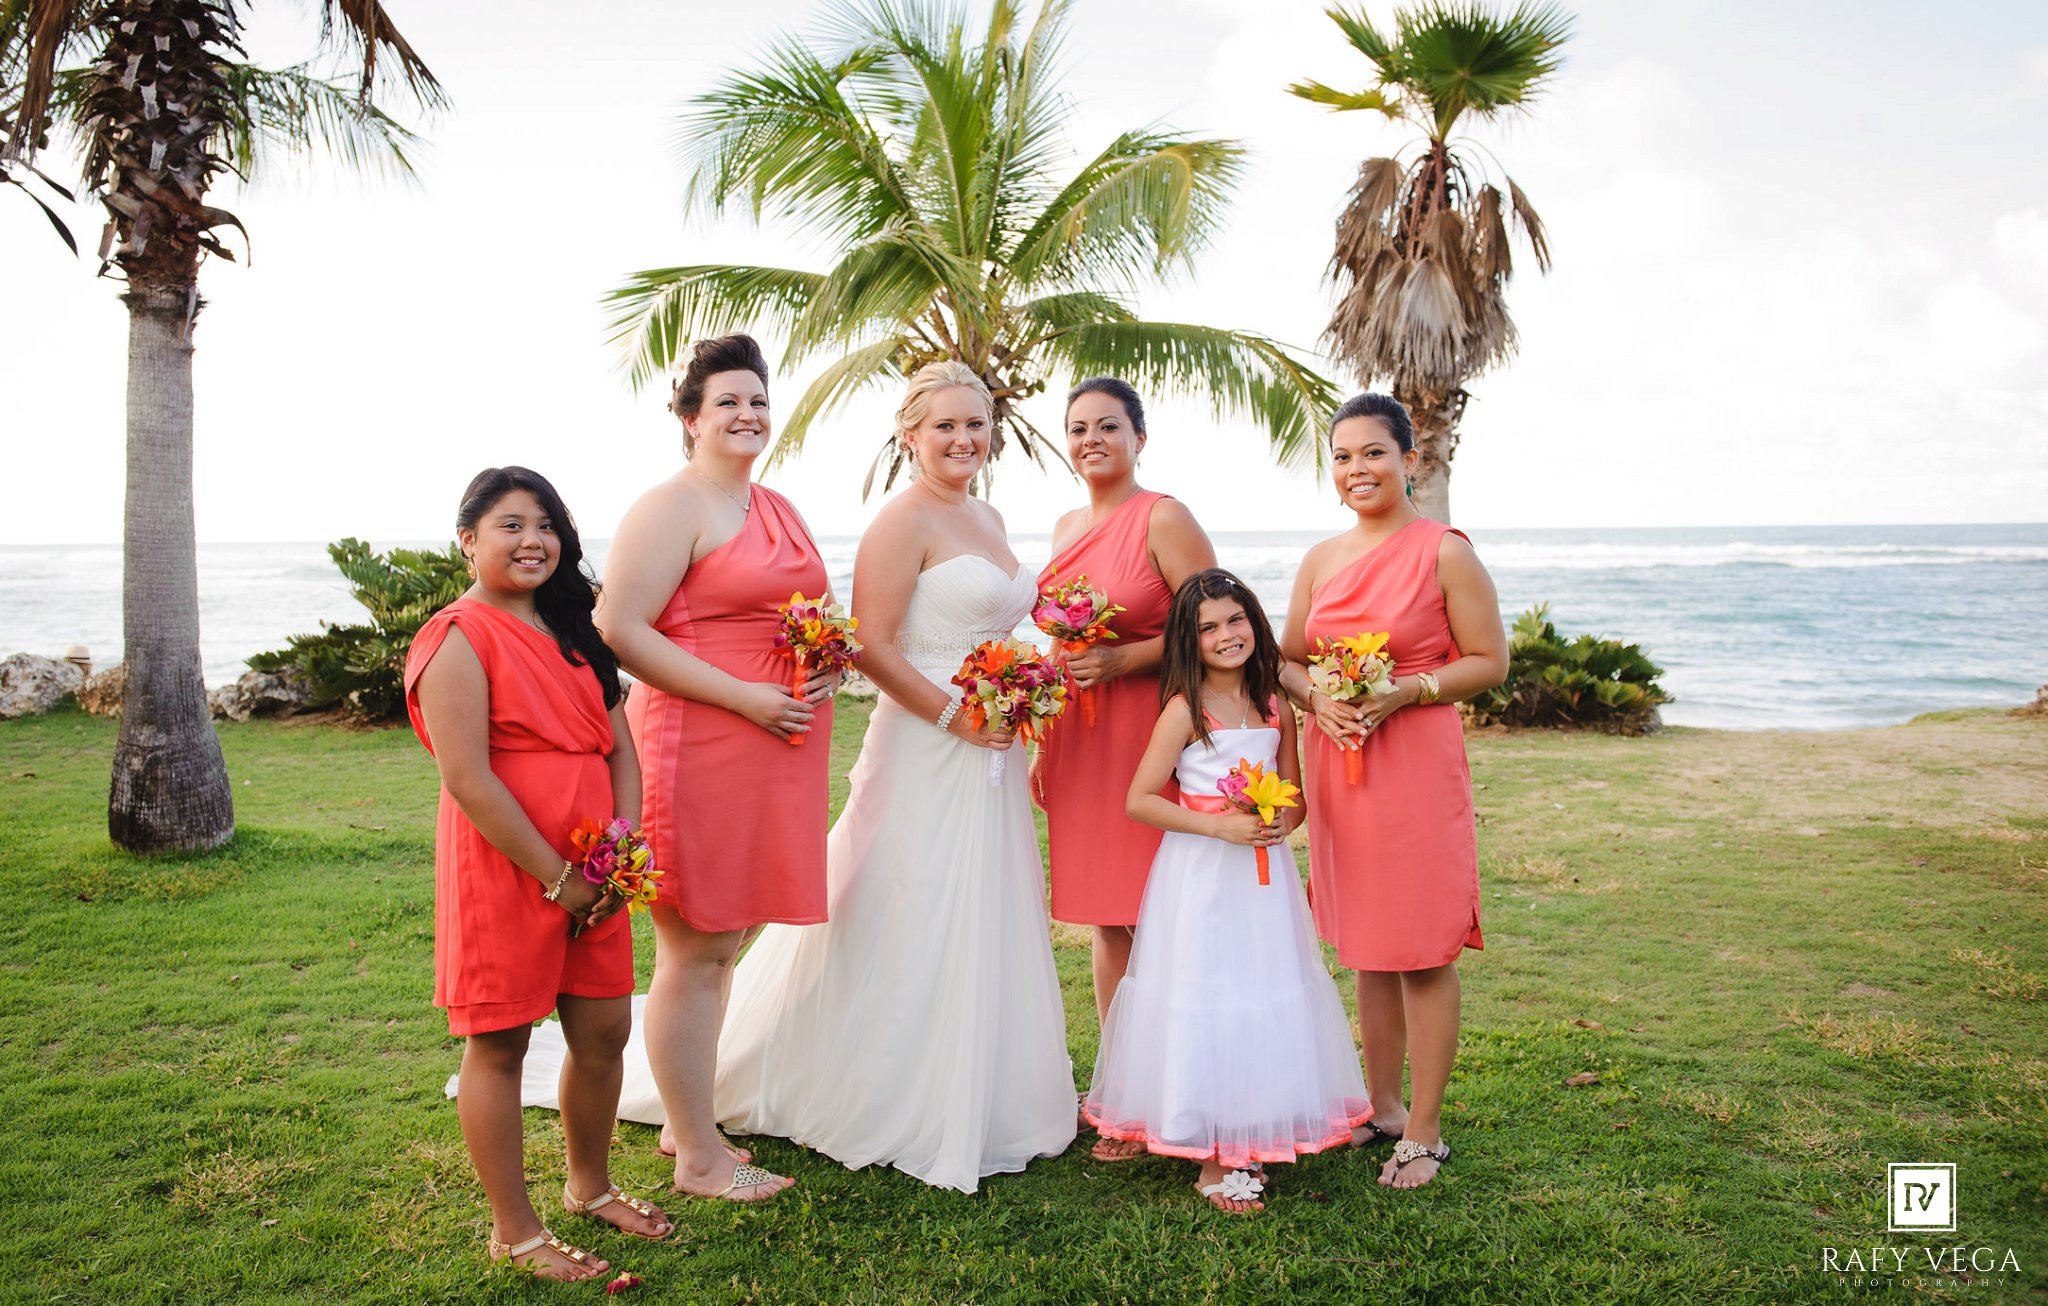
x: 930, y: 380
x: 733, y: 353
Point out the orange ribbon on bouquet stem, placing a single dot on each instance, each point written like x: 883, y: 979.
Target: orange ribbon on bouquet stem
x: 1354, y: 762
x: 1085, y: 697
x: 796, y: 689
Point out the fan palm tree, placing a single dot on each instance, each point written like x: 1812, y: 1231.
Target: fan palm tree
x: 1423, y: 255
x: 159, y: 106
x: 932, y: 158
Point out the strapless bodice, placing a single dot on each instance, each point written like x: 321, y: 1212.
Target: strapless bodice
x: 956, y: 605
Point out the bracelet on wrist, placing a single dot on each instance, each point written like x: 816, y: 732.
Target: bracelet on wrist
x: 554, y: 893
x: 1430, y: 691
x: 946, y: 717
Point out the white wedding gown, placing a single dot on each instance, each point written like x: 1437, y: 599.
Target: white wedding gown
x: 922, y: 1025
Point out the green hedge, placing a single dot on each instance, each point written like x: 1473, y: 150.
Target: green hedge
x: 1588, y: 682
x: 362, y: 667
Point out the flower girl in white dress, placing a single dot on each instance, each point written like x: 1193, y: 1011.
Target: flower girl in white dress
x: 1226, y: 1042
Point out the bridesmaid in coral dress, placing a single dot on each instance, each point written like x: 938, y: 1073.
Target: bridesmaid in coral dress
x: 1393, y: 862
x: 516, y: 697
x: 734, y: 813
x: 1137, y: 546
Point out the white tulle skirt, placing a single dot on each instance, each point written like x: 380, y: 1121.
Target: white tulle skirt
x: 1226, y: 1038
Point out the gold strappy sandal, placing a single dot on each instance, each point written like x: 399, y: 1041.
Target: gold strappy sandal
x: 590, y: 1209
x: 576, y: 1256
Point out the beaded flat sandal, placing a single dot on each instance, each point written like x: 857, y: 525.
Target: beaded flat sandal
x: 590, y: 1210
x: 1408, y: 1151
x: 576, y: 1256
x: 1374, y: 1135
x: 744, y: 1175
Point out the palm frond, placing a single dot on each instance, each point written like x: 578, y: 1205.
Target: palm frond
x: 789, y: 138
x: 364, y: 30
x: 1150, y: 200
x: 36, y: 33
x: 1239, y: 372
x: 887, y: 280
x: 656, y: 313
x: 275, y: 116
x: 829, y: 392
x: 1462, y: 57
x: 1377, y: 100
x: 1367, y: 40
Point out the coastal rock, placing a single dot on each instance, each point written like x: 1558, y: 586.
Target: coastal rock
x: 2039, y: 707
x: 260, y: 693
x: 101, y: 692
x: 31, y: 685
x: 856, y: 686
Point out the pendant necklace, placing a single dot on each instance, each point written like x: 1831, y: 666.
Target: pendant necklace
x: 746, y: 505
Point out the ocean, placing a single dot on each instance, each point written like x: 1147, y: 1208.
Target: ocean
x: 1757, y: 628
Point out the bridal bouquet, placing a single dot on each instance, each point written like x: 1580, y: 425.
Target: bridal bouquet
x: 1352, y: 667
x: 1008, y: 682
x: 815, y: 634
x: 1077, y: 615
x: 1250, y: 787
x: 617, y: 860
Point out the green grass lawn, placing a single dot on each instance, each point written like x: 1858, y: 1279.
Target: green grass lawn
x: 1784, y: 960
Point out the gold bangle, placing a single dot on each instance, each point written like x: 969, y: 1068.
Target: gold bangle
x: 554, y: 893
x: 1431, y: 691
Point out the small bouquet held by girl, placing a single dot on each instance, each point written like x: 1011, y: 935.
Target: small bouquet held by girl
x: 816, y: 634
x: 1009, y: 683
x: 1351, y: 668
x: 1077, y: 616
x: 618, y: 861
x: 1225, y: 969
x: 1250, y: 787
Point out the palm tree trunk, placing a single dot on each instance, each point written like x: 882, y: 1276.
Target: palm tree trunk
x: 170, y: 790
x: 1436, y: 416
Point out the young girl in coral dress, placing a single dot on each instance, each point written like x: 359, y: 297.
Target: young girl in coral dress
x: 1226, y: 1042
x: 517, y: 698
x: 1393, y: 859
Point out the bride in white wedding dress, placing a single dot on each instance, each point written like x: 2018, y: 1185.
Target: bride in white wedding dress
x: 922, y: 1025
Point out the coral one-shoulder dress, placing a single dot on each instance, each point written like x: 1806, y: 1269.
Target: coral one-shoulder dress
x: 1394, y: 861
x: 735, y: 815
x: 1099, y: 855
x: 502, y: 951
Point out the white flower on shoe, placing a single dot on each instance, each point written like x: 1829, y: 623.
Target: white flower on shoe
x: 1240, y: 1186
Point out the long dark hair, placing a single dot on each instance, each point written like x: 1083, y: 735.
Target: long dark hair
x: 1180, y: 661
x: 565, y: 599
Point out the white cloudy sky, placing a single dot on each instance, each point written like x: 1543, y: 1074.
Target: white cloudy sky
x: 1801, y: 276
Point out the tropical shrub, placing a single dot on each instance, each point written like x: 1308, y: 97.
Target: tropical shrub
x: 1588, y: 682
x: 362, y: 667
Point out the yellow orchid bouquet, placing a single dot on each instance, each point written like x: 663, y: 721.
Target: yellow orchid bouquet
x: 1250, y: 787
x: 1349, y: 668
x: 815, y: 633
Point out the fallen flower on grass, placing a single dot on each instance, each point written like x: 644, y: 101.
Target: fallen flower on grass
x: 1583, y: 1078
x: 624, y: 1283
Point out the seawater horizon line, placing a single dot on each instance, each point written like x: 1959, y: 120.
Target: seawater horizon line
x: 417, y: 541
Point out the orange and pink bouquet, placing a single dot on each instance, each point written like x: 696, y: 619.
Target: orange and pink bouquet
x: 617, y: 860
x: 1250, y: 787
x: 1077, y: 616
x: 1349, y: 668
x: 1008, y: 682
x: 815, y: 634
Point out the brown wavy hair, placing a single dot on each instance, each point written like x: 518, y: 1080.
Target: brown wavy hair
x: 1180, y: 663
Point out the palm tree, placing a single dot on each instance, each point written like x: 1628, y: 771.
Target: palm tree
x: 932, y: 158
x: 1423, y: 255
x: 159, y: 108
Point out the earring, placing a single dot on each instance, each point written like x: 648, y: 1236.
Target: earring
x: 469, y: 565
x: 1411, y: 487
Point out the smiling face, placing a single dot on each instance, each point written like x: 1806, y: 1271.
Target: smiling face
x: 1369, y: 467
x: 951, y: 443
x: 513, y: 544
x: 1102, y: 441
x: 1223, y: 629
x: 733, y: 419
